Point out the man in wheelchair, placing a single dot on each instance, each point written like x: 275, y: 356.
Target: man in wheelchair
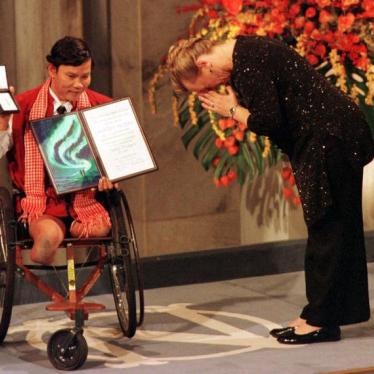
x: 49, y: 216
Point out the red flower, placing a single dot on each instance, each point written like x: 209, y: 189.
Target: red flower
x: 224, y: 180
x: 294, y: 10
x: 312, y: 59
x: 345, y: 22
x: 217, y: 182
x: 361, y: 63
x: 219, y: 143
x: 328, y: 37
x: 233, y: 7
x: 216, y: 161
x: 242, y: 126
x: 309, y: 27
x: 286, y: 172
x: 291, y: 180
x: 310, y: 12
x: 320, y: 50
x: 296, y: 200
x: 231, y: 175
x: 287, y: 193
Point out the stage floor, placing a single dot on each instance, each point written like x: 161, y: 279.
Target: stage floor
x: 217, y: 327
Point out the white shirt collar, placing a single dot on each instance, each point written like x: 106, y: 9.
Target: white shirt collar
x: 57, y: 102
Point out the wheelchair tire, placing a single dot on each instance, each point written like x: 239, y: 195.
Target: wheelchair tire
x: 67, y: 350
x: 7, y: 261
x: 135, y: 258
x: 120, y: 270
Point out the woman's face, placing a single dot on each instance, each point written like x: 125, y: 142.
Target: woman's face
x: 207, y: 79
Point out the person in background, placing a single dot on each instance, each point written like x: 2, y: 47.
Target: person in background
x: 50, y: 217
x: 278, y: 94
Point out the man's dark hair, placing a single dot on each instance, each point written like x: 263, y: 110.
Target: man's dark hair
x: 69, y: 51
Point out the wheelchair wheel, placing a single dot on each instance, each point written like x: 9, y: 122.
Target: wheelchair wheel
x: 67, y: 350
x: 120, y: 271
x: 7, y: 261
x: 135, y: 258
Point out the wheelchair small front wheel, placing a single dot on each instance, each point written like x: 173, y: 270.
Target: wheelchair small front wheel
x: 67, y: 350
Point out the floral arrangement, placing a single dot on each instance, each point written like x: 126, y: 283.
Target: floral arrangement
x: 335, y: 36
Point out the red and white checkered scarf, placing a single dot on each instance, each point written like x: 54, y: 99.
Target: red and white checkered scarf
x: 87, y: 210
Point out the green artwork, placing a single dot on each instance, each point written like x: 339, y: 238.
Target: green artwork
x: 67, y: 155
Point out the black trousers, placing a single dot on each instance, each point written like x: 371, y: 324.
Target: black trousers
x: 335, y: 258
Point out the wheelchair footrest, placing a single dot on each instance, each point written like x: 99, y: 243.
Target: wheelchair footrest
x: 70, y: 307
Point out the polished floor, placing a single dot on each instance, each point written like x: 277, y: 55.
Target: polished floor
x: 217, y: 327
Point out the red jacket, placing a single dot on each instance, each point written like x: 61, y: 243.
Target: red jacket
x: 56, y: 205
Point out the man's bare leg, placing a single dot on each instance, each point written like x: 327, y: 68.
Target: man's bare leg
x: 47, y: 232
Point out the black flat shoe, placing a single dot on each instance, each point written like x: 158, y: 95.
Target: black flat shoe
x: 325, y: 334
x: 276, y: 333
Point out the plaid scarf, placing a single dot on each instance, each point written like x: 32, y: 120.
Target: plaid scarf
x: 86, y: 209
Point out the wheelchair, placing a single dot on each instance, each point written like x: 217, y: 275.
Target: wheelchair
x: 67, y: 348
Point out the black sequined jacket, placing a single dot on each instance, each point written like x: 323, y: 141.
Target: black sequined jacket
x: 299, y: 110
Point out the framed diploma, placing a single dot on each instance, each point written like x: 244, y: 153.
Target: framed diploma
x: 7, y: 103
x: 79, y: 148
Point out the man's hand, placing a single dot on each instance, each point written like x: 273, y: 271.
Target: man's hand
x: 105, y: 184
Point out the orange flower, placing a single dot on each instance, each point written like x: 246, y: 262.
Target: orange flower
x: 345, y: 22
x: 233, y: 150
x: 299, y: 22
x: 239, y: 135
x: 222, y: 124
x: 233, y: 7
x: 323, y: 3
x: 325, y: 16
x: 230, y: 141
x: 230, y: 123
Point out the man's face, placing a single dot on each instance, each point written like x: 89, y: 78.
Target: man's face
x: 68, y: 81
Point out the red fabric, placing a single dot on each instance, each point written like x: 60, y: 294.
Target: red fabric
x: 16, y: 157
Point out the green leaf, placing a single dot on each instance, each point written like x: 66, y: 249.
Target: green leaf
x: 202, y: 142
x: 221, y: 165
x: 207, y: 159
x: 189, y: 135
x: 248, y: 159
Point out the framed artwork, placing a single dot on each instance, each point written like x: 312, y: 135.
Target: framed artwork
x: 7, y: 103
x: 79, y: 148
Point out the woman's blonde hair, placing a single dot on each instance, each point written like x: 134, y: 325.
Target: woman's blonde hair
x: 181, y: 60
